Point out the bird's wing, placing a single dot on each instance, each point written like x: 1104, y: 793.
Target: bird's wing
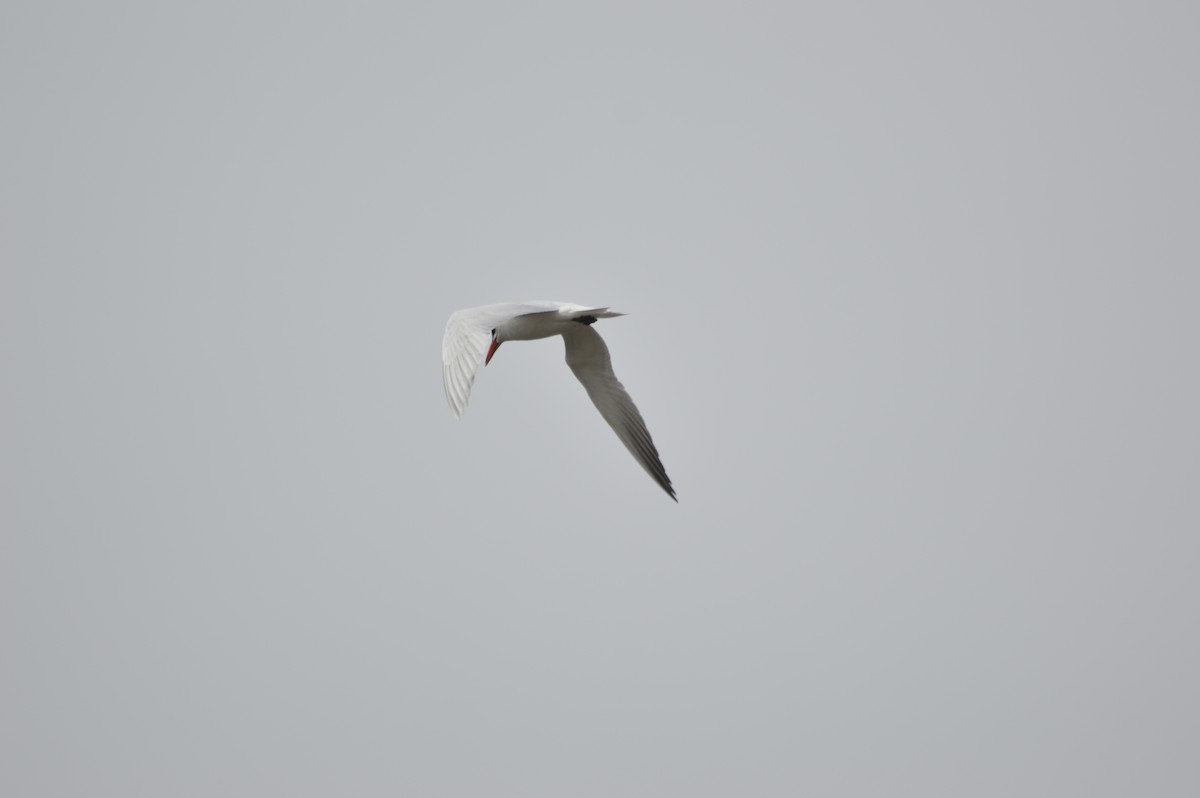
x: 588, y: 357
x: 468, y: 333
x: 463, y: 347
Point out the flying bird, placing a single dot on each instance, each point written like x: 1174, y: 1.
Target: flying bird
x: 475, y: 334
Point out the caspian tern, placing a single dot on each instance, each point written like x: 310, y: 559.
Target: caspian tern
x: 475, y: 334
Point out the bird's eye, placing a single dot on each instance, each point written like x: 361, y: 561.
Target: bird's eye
x: 493, y: 331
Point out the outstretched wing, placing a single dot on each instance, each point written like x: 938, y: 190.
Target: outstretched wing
x: 588, y: 357
x: 464, y: 344
x: 469, y: 331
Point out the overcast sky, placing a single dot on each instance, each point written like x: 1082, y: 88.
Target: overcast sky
x: 912, y: 294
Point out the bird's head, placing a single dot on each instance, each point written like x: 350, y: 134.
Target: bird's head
x: 495, y: 345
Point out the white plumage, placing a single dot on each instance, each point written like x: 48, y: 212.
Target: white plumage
x: 474, y: 334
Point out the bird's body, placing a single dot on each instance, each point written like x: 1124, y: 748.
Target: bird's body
x: 475, y: 334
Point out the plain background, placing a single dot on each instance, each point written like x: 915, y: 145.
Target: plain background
x: 912, y: 297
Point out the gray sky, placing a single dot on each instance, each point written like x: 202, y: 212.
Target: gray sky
x: 912, y: 317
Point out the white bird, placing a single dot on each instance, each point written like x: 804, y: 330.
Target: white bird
x: 475, y: 334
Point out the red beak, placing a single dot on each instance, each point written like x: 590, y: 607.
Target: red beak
x: 491, y: 350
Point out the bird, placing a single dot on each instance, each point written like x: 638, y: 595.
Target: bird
x: 474, y: 334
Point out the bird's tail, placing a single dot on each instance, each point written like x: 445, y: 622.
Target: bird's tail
x: 599, y: 313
